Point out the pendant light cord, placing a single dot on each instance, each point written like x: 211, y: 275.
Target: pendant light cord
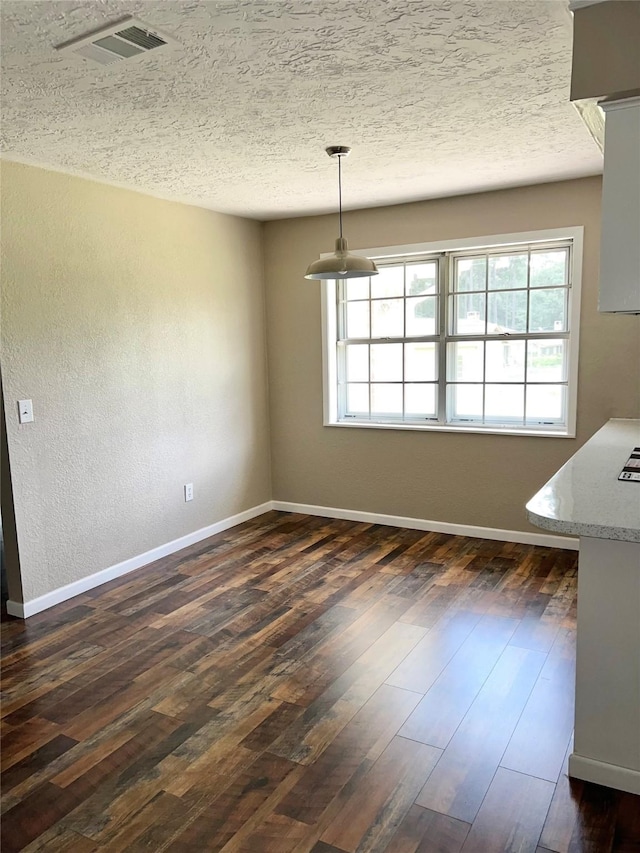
x: 340, y: 192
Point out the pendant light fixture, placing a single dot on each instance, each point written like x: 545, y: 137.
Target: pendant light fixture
x: 341, y: 264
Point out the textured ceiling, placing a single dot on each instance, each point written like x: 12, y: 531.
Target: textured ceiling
x: 435, y: 98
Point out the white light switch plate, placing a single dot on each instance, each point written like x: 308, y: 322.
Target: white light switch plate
x: 25, y: 411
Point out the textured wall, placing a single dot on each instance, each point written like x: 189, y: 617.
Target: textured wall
x: 137, y: 327
x: 468, y: 479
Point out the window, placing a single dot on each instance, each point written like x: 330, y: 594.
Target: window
x: 477, y: 335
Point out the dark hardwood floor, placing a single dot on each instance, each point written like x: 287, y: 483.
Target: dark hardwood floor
x: 301, y: 684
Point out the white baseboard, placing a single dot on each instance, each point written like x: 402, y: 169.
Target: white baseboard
x: 610, y: 775
x: 63, y: 593
x: 522, y: 537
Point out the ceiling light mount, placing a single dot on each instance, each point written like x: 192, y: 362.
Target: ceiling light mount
x: 338, y: 150
x: 341, y: 264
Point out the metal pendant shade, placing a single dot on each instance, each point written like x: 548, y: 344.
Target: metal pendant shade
x: 342, y: 264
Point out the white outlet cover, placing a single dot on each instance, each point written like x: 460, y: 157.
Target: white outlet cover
x: 25, y: 411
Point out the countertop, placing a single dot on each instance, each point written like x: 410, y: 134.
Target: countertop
x: 585, y: 497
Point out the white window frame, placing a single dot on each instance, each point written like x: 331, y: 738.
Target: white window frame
x: 491, y: 242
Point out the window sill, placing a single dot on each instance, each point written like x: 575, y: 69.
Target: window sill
x: 477, y: 430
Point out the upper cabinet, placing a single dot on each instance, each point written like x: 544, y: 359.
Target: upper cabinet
x: 620, y: 241
x: 606, y: 70
x: 606, y: 60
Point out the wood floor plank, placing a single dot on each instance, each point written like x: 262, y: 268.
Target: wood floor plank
x: 423, y: 665
x: 138, y: 726
x: 263, y: 815
x: 165, y: 817
x: 430, y: 608
x: 330, y: 621
x: 97, y: 716
x: 538, y: 744
x: 20, y: 742
x: 440, y: 712
x: 214, y: 752
x: 312, y: 674
x: 63, y: 623
x: 536, y: 632
x: 108, y: 667
x: 197, y: 782
x: 362, y: 739
x: 424, y: 831
x: 61, y: 840
x: 325, y: 718
x: 26, y: 677
x: 35, y: 761
x: 512, y: 815
x: 227, y: 813
x: 275, y: 834
x: 373, y: 812
x: 90, y: 757
x: 37, y: 813
x: 107, y: 793
x: 139, y: 829
x: 459, y: 783
x: 270, y: 729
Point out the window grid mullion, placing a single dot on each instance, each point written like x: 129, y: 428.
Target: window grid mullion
x: 369, y: 383
x: 484, y: 380
x: 517, y: 336
x: 526, y: 343
x: 526, y: 371
x: 445, y: 267
x: 428, y: 339
x: 569, y: 309
x: 404, y: 337
x: 506, y: 382
x: 484, y: 346
x: 528, y: 318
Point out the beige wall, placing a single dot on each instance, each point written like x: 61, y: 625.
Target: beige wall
x: 467, y: 479
x: 137, y: 327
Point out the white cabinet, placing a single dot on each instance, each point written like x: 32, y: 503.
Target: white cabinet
x: 587, y: 499
x: 620, y: 246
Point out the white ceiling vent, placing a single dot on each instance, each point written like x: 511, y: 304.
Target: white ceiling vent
x: 128, y: 40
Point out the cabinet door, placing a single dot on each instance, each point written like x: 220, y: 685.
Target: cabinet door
x: 620, y: 247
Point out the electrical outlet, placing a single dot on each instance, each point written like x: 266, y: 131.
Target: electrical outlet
x: 188, y: 491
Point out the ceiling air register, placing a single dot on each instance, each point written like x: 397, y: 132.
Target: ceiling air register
x: 127, y: 40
